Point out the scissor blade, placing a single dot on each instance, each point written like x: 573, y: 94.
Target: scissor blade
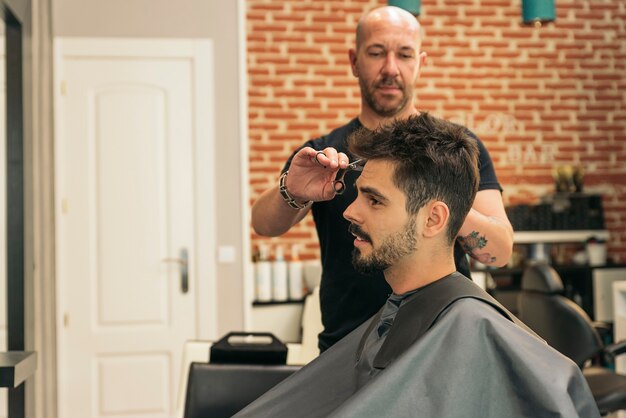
x: 356, y: 165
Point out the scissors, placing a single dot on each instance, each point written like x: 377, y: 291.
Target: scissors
x: 338, y: 184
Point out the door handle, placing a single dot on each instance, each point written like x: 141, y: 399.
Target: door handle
x: 183, y: 263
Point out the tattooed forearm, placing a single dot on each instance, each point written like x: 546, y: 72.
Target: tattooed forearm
x: 474, y: 242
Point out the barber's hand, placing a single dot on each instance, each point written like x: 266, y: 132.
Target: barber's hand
x: 311, y: 173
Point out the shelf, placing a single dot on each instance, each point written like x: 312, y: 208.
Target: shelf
x: 16, y: 366
x: 503, y: 271
x: 535, y: 237
x: 277, y: 302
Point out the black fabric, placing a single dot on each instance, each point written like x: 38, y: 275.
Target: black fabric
x: 422, y: 311
x: 474, y: 362
x: 348, y: 298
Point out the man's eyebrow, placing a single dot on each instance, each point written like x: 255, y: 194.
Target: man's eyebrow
x: 382, y: 46
x: 372, y: 192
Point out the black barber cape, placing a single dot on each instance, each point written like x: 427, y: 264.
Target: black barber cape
x: 453, y: 351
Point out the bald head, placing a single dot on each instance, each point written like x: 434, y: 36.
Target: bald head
x: 387, y: 61
x: 388, y: 16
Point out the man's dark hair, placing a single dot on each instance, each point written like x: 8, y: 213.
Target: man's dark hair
x: 434, y: 160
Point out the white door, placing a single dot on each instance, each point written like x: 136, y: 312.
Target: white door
x: 132, y: 146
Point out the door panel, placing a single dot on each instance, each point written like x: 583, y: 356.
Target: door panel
x: 131, y: 171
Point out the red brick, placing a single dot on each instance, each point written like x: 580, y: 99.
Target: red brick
x: 456, y: 106
x: 272, y: 59
x: 265, y: 81
x: 571, y: 25
x: 312, y: 60
x: 601, y: 76
x: 604, y: 106
x: 288, y: 37
x: 589, y: 116
x: 290, y: 70
x: 469, y: 96
x: 506, y: 54
x: 581, y: 36
x: 268, y: 27
x: 575, y: 128
x: 540, y: 127
x: 291, y: 17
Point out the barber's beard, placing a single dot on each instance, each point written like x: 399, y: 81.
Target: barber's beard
x: 393, y: 248
x: 369, y: 91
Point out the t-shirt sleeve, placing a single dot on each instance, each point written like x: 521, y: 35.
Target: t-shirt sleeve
x: 488, y: 178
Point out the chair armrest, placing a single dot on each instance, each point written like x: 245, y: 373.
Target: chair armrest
x: 614, y: 350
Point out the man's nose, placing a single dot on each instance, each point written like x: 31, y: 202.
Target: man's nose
x: 390, y: 67
x: 348, y: 214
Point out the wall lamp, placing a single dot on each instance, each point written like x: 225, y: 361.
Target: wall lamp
x: 538, y: 12
x: 411, y: 6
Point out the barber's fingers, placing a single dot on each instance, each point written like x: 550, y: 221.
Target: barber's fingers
x: 343, y: 160
x: 305, y: 154
x: 331, y: 158
x: 309, y: 157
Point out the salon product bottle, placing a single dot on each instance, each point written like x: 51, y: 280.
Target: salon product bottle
x: 263, y: 276
x: 279, y: 276
x: 296, y: 284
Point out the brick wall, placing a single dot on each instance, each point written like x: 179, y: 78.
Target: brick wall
x: 537, y: 97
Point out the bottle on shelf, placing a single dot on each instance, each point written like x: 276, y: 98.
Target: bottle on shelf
x: 296, y: 282
x: 279, y: 276
x: 263, y: 275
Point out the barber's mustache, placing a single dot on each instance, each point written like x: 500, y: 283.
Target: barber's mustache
x: 356, y: 230
x: 389, y: 81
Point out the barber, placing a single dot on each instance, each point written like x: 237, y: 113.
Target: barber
x: 387, y: 61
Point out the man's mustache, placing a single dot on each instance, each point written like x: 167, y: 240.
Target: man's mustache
x: 389, y: 81
x: 356, y: 230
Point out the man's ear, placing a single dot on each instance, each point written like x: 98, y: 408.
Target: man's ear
x: 352, y: 56
x: 438, y: 215
x: 422, y: 58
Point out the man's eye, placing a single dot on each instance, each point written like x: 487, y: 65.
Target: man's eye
x: 375, y: 54
x: 373, y: 201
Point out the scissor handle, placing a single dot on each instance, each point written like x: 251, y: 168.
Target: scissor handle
x: 339, y: 187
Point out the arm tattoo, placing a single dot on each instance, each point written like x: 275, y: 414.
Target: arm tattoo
x: 473, y: 242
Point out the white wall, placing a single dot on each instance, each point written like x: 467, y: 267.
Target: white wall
x: 217, y: 20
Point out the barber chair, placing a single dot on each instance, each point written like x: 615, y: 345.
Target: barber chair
x: 230, y: 381
x: 222, y: 390
x: 566, y: 327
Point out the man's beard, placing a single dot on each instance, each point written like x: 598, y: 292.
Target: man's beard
x: 388, y: 253
x: 383, y: 111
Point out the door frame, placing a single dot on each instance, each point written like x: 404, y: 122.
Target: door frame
x: 200, y: 53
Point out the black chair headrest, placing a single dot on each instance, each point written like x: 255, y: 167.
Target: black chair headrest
x: 542, y: 278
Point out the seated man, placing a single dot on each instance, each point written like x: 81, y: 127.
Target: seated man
x: 441, y: 346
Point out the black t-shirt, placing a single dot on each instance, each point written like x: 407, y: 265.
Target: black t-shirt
x: 348, y: 298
